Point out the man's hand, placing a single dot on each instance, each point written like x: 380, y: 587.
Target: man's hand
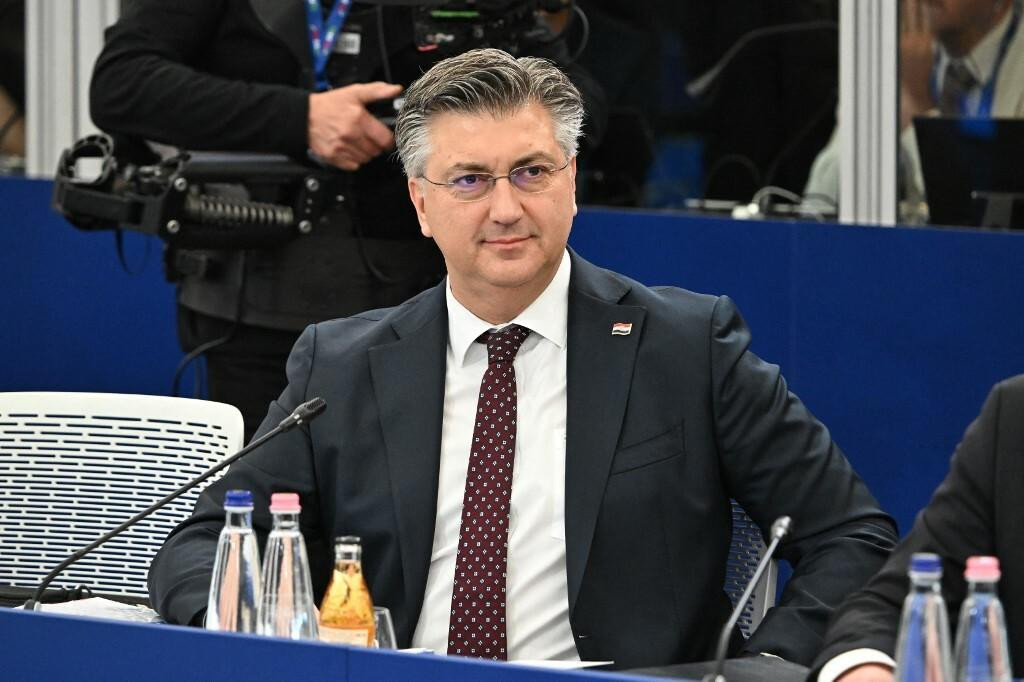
x: 341, y: 131
x: 870, y: 672
x: 917, y: 53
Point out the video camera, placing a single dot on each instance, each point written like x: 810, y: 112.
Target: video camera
x: 170, y: 198
x: 178, y: 198
x: 454, y: 26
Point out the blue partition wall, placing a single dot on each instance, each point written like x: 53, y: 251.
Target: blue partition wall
x: 891, y: 336
x: 76, y: 320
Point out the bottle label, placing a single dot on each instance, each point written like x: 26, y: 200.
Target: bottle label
x: 351, y: 636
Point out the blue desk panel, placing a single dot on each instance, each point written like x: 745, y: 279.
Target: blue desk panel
x: 43, y: 646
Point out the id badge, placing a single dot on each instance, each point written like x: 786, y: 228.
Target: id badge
x: 349, y: 41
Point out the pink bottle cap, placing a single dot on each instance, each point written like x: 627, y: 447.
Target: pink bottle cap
x: 285, y: 502
x: 984, y: 568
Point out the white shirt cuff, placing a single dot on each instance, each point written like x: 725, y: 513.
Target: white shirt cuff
x: 851, y: 659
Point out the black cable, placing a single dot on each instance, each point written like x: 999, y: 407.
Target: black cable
x: 584, y: 28
x: 213, y: 343
x: 119, y: 243
x: 385, y: 58
x: 794, y: 142
x: 726, y: 160
x: 357, y: 230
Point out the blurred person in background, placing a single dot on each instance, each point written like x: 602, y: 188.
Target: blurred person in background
x: 12, y: 85
x: 957, y: 58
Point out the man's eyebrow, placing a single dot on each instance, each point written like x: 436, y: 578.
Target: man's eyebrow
x: 533, y: 158
x: 472, y: 167
x: 467, y: 166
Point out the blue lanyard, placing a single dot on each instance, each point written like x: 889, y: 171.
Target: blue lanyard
x: 988, y: 92
x: 322, y: 36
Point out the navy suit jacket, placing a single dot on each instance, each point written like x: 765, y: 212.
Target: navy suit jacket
x: 664, y: 426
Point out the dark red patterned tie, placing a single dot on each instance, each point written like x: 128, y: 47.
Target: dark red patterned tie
x: 477, y: 626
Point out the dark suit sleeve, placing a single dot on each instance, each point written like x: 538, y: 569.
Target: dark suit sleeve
x: 179, y: 577
x: 152, y: 81
x: 778, y: 459
x: 957, y: 523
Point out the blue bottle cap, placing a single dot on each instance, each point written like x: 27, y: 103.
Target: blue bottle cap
x: 925, y: 563
x: 238, y: 498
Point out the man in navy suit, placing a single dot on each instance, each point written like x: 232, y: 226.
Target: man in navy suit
x: 539, y: 454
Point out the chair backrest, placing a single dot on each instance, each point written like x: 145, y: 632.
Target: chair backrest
x: 75, y: 465
x: 745, y: 552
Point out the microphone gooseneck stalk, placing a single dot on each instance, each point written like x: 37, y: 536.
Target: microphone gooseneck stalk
x: 302, y: 414
x: 700, y: 85
x: 780, y: 529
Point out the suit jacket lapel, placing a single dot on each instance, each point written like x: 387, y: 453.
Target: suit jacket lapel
x: 287, y: 22
x: 408, y: 384
x: 599, y: 372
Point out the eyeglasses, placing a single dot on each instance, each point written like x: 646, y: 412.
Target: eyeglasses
x: 532, y: 179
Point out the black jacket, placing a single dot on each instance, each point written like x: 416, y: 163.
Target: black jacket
x: 235, y: 75
x: 663, y: 426
x: 976, y: 510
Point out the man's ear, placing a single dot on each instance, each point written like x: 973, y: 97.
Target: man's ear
x: 417, y: 195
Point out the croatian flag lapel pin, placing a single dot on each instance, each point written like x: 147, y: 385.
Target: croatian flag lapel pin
x: 621, y: 328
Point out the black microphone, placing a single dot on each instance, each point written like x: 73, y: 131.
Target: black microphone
x: 302, y: 414
x: 698, y: 86
x: 780, y: 529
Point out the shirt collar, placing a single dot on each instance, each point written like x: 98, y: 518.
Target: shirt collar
x: 981, y: 61
x: 547, y: 316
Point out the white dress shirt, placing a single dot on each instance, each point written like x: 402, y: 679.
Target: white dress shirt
x: 980, y: 62
x: 848, y: 660
x: 537, y: 611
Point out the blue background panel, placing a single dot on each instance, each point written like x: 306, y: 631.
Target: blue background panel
x: 891, y: 336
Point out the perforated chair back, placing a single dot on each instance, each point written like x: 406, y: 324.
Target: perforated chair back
x: 745, y: 552
x: 75, y: 465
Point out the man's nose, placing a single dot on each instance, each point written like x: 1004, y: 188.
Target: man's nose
x: 506, y: 202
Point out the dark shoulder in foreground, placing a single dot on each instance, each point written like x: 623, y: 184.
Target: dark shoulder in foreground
x: 382, y: 325
x: 662, y: 303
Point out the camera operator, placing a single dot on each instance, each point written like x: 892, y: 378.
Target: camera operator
x: 262, y: 76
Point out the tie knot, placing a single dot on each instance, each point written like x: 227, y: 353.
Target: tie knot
x: 503, y: 344
x: 958, y: 81
x: 959, y: 73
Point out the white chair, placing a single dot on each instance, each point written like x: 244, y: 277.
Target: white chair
x: 74, y: 465
x: 745, y: 552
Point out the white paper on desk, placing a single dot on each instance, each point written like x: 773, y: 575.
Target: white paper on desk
x: 562, y: 665
x: 98, y: 607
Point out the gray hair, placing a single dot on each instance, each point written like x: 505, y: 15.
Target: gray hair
x: 485, y: 81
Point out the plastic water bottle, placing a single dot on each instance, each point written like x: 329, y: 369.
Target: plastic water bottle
x: 922, y: 650
x: 981, y: 650
x: 235, y: 587
x: 286, y: 609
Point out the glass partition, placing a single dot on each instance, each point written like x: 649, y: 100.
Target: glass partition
x: 961, y: 89
x: 711, y: 105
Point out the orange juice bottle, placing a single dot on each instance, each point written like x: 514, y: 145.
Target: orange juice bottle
x: 346, y: 615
